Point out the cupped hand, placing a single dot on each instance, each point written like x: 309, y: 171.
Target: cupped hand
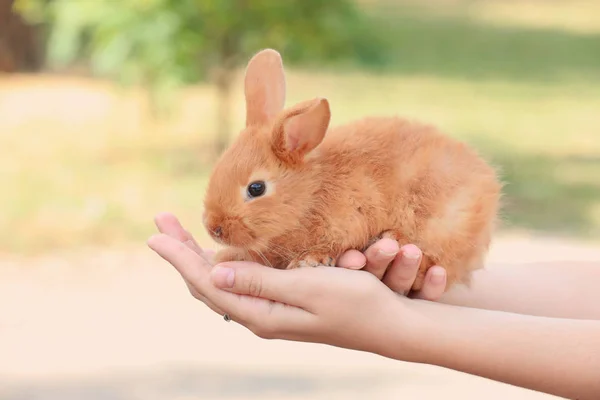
x: 396, y: 266
x: 170, y: 226
x: 335, y: 306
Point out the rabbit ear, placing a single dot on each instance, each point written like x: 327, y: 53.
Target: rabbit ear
x: 264, y: 87
x: 301, y: 130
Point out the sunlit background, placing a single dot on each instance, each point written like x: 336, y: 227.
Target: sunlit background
x: 114, y: 110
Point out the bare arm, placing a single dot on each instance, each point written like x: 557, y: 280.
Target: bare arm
x: 550, y: 289
x: 354, y: 309
x: 552, y: 355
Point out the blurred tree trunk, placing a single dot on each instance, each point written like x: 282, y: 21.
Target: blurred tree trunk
x: 223, y: 83
x: 19, y: 47
x: 223, y: 77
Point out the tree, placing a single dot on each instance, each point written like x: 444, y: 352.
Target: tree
x: 166, y: 43
x: 18, y: 45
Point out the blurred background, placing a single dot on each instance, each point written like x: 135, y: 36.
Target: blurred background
x: 114, y: 110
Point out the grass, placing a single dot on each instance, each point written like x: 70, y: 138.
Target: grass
x: 576, y: 16
x: 84, y: 165
x: 458, y: 42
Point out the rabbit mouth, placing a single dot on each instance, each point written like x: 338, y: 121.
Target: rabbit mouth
x: 216, y: 235
x: 230, y: 232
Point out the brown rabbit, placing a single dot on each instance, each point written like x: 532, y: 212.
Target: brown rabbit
x: 290, y: 193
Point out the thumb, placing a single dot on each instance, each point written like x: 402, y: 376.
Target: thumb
x: 291, y: 287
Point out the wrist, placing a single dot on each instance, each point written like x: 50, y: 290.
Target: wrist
x: 517, y: 349
x: 408, y: 332
x: 430, y: 332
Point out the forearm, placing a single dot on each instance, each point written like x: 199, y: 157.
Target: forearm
x: 560, y: 290
x: 556, y: 356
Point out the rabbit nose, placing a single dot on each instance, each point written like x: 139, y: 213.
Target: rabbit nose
x: 218, y: 231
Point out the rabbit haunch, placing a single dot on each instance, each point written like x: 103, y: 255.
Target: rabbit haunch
x: 327, y: 190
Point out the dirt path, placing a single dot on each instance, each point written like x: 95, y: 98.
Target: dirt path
x: 120, y: 325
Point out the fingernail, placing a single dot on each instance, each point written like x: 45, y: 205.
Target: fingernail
x: 153, y: 238
x: 411, y: 252
x: 222, y: 277
x: 387, y: 253
x: 387, y: 248
x: 438, y: 277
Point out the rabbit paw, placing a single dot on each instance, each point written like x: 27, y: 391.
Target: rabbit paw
x: 313, y: 260
x: 389, y: 234
x: 231, y: 254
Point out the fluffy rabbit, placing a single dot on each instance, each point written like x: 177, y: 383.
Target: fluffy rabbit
x: 291, y: 192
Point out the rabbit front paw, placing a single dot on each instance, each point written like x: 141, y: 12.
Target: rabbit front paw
x: 232, y: 254
x: 388, y: 234
x: 313, y: 260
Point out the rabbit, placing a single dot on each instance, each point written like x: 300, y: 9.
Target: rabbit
x: 292, y: 192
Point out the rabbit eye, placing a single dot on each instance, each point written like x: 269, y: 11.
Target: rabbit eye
x: 256, y: 189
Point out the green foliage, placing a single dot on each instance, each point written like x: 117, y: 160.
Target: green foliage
x: 171, y: 42
x: 163, y: 44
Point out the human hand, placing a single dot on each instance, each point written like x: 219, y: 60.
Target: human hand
x: 335, y: 306
x: 397, y: 267
x: 355, y: 310
x: 169, y: 225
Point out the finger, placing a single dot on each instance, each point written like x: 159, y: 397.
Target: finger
x: 269, y: 319
x: 434, y: 284
x: 252, y: 279
x: 210, y: 254
x: 168, y: 224
x: 207, y: 255
x: 189, y: 285
x: 198, y: 296
x: 380, y: 255
x: 208, y: 303
x: 192, y: 267
x: 264, y: 317
x: 352, y: 259
x: 403, y: 271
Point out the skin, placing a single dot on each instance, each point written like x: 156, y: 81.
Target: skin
x: 555, y: 349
